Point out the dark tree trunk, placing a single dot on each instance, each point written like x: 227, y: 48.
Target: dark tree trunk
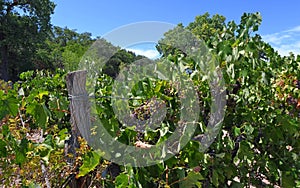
x: 4, y: 58
x: 4, y: 63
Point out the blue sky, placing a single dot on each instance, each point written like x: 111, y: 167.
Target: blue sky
x: 280, y: 26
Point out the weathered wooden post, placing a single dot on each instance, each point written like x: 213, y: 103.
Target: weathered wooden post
x: 80, y: 117
x: 79, y: 104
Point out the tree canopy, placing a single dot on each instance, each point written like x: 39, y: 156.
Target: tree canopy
x: 24, y: 27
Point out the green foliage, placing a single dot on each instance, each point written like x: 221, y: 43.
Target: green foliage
x: 90, y: 161
x: 66, y: 47
x: 24, y: 27
x: 34, y: 128
x: 120, y: 59
x: 262, y: 115
x: 258, y: 144
x: 8, y: 101
x: 262, y: 112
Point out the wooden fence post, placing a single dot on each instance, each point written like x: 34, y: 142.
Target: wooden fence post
x: 80, y: 117
x: 79, y: 104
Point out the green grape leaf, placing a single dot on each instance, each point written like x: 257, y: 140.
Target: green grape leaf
x: 3, y: 150
x: 215, y: 178
x: 20, y: 156
x: 90, y: 161
x: 121, y: 181
x: 42, y: 93
x: 193, y: 179
x: 288, y: 180
x: 235, y: 184
x: 237, y: 131
x: 63, y: 134
x: 9, y: 105
x: 40, y: 113
x: 12, y: 104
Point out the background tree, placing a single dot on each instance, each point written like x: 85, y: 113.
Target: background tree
x: 66, y: 47
x: 24, y: 26
x: 120, y: 59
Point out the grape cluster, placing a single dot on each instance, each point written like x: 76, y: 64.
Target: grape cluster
x: 291, y: 101
x: 296, y: 83
x: 143, y: 112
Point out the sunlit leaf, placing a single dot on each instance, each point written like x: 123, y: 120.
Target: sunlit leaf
x: 90, y: 161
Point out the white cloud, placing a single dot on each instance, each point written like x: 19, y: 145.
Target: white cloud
x: 295, y: 29
x: 275, y: 38
x: 285, y: 49
x: 286, y: 41
x: 151, y: 54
